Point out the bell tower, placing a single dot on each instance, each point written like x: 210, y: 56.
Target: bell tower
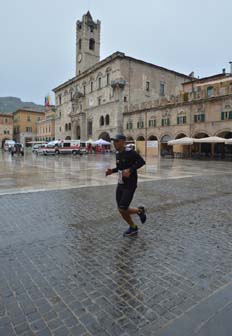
x: 87, y: 43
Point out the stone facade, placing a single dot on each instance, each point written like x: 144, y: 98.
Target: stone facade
x: 25, y: 125
x: 46, y: 126
x: 87, y: 43
x: 202, y: 108
x: 6, y: 128
x: 145, y: 101
x: 95, y: 100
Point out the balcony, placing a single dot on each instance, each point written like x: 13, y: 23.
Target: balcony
x: 120, y: 83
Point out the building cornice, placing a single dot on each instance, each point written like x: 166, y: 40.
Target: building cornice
x: 30, y: 111
x: 116, y: 55
x: 174, y: 105
x: 6, y: 115
x: 90, y: 70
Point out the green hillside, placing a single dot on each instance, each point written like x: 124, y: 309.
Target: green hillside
x: 11, y: 104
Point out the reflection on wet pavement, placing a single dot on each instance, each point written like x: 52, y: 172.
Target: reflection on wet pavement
x: 34, y: 173
x: 65, y: 268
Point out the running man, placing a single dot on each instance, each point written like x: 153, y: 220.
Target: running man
x: 127, y: 163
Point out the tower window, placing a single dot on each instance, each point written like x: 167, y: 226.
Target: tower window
x: 91, y: 86
x: 80, y: 44
x: 107, y: 119
x: 99, y: 82
x: 108, y: 79
x: 147, y: 86
x: 91, y: 44
x: 102, y: 121
x: 91, y: 29
x: 161, y: 89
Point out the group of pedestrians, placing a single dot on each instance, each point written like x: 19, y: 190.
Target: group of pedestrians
x: 17, y: 149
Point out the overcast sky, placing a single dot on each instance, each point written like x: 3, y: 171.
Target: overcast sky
x: 37, y: 38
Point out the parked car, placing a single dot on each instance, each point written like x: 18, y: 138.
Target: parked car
x: 40, y: 149
x: 52, y: 148
x: 36, y: 146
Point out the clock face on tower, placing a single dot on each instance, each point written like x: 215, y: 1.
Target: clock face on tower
x: 79, y: 58
x: 91, y: 101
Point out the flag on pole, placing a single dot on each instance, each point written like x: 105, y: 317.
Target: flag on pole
x: 47, y: 101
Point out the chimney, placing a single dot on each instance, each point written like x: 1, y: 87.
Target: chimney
x: 230, y: 67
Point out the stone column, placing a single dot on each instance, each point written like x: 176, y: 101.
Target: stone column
x: 74, y: 129
x: 83, y: 126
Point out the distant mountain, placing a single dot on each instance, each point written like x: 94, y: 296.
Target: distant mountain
x: 11, y: 104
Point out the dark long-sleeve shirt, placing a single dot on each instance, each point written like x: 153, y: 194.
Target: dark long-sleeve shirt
x: 128, y: 159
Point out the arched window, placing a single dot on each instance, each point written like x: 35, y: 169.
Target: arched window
x: 140, y: 138
x: 91, y: 44
x: 69, y: 126
x: 66, y: 127
x: 108, y: 78
x: 80, y: 44
x: 102, y: 121
x: 152, y: 138
x: 107, y: 119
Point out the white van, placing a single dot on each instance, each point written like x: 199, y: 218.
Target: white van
x: 62, y: 147
x: 69, y: 147
x: 8, y: 144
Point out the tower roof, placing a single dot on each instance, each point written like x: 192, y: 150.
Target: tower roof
x: 89, y: 15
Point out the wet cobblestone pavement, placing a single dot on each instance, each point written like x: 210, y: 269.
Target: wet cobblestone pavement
x: 65, y: 268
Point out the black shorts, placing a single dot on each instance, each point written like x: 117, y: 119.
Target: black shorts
x: 124, y: 195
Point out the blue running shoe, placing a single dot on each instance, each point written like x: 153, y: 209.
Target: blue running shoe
x: 130, y: 232
x: 142, y: 215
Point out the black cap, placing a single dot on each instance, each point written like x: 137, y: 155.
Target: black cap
x: 118, y: 137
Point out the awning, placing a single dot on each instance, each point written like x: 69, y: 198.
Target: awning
x: 212, y: 139
x: 181, y: 141
x: 102, y: 142
x: 228, y: 142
